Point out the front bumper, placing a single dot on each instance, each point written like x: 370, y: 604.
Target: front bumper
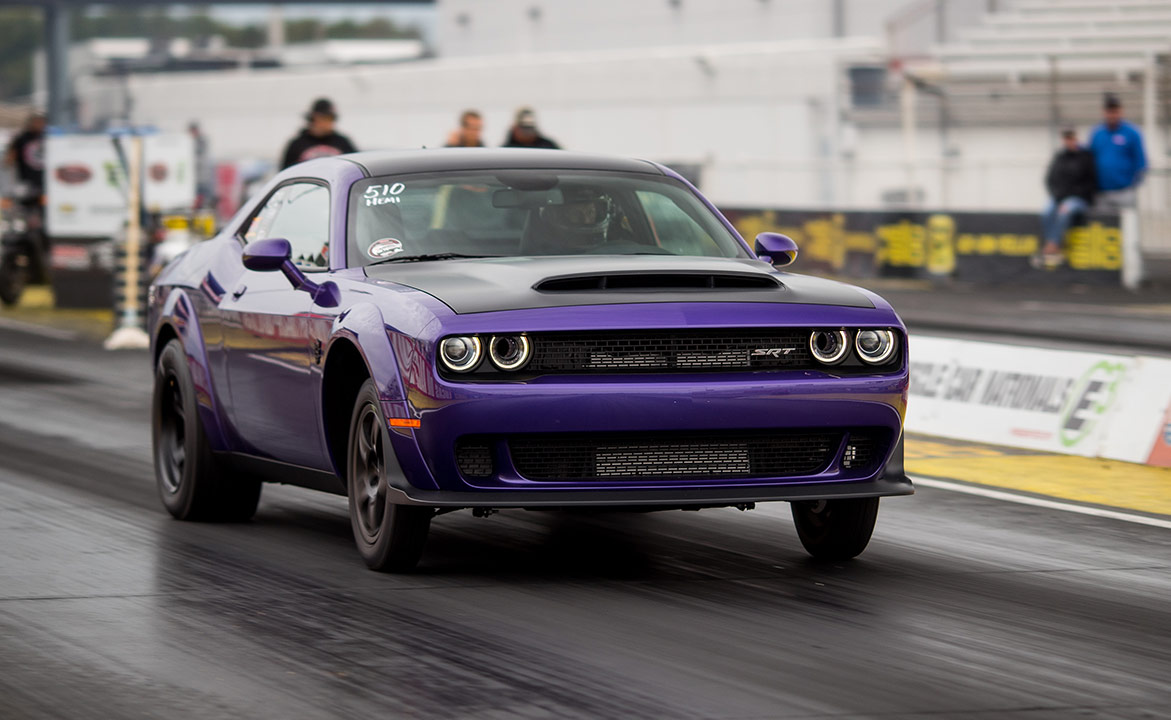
x: 891, y: 481
x: 779, y: 401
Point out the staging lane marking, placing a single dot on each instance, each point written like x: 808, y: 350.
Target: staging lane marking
x: 1040, y: 502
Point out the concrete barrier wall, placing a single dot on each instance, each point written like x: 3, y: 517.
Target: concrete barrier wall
x: 1079, y: 403
x: 980, y: 247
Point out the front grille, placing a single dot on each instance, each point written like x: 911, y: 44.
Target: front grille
x: 474, y: 458
x: 859, y: 453
x: 670, y: 351
x: 696, y: 456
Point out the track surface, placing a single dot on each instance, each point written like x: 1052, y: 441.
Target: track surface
x: 963, y: 607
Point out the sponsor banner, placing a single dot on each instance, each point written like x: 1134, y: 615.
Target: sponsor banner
x: 992, y: 247
x: 85, y: 187
x: 168, y: 177
x: 1138, y: 421
x: 85, y: 182
x: 1080, y: 403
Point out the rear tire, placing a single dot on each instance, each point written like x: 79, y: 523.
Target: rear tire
x: 390, y: 537
x: 13, y: 278
x: 191, y: 483
x: 835, y: 529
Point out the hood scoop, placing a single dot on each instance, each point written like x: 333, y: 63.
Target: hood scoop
x: 633, y: 282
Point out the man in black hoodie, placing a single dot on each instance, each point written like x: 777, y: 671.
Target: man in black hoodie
x: 1072, y: 182
x: 318, y: 138
x: 524, y: 132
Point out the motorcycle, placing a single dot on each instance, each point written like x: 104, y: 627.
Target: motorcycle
x: 23, y: 244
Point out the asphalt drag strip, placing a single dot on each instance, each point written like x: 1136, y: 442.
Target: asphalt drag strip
x: 962, y: 607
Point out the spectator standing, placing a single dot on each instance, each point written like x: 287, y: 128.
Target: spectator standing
x: 319, y: 138
x: 471, y: 125
x: 524, y: 132
x: 1118, y: 156
x: 26, y: 155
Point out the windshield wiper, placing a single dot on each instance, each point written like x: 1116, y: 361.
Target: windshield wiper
x: 427, y: 257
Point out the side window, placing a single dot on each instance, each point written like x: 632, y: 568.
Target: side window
x: 298, y: 212
x: 675, y: 229
x: 257, y: 228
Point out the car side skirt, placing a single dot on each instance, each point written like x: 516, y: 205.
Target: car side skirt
x: 275, y: 471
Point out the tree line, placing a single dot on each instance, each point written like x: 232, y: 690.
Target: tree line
x: 21, y: 34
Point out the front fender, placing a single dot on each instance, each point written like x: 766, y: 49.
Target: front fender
x: 178, y: 315
x: 396, y: 361
x: 363, y: 326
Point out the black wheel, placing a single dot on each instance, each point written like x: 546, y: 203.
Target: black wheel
x: 13, y: 277
x: 390, y: 537
x: 38, y: 265
x: 835, y: 529
x: 192, y: 485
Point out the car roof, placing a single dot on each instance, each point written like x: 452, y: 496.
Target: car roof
x: 391, y: 162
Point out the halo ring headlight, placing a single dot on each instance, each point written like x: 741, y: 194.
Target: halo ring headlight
x: 875, y: 346
x: 509, y: 352
x: 461, y: 353
x: 829, y: 347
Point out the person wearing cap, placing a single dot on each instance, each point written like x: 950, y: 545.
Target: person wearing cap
x: 26, y: 155
x: 318, y: 138
x: 1072, y: 182
x: 471, y: 125
x: 524, y: 132
x: 1118, y: 156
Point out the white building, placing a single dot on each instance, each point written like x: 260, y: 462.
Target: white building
x: 507, y: 27
x: 769, y: 97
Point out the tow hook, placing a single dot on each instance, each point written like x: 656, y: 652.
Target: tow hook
x: 482, y: 512
x: 745, y: 506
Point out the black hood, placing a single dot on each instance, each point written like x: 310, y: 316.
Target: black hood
x: 495, y: 284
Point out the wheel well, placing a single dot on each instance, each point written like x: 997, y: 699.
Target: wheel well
x: 166, y: 335
x: 342, y: 378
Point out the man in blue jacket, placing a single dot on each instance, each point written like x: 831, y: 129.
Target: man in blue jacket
x: 1118, y: 156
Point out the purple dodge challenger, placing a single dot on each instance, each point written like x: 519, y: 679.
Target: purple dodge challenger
x: 432, y: 330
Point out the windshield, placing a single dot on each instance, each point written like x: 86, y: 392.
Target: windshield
x: 510, y: 213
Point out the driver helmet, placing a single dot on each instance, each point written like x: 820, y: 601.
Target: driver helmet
x: 581, y: 219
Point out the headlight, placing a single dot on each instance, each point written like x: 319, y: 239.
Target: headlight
x: 875, y: 346
x: 461, y: 353
x: 829, y: 346
x: 509, y: 352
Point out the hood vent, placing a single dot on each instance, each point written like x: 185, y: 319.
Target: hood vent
x: 657, y: 281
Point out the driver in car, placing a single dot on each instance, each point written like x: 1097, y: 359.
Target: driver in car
x: 583, y: 222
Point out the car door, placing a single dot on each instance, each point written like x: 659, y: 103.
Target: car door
x: 268, y: 332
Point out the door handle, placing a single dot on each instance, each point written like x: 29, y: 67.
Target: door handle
x: 239, y: 291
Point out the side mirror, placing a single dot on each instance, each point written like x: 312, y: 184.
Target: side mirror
x: 276, y: 254
x: 777, y: 249
x: 267, y: 255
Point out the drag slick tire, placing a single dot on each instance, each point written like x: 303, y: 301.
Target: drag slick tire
x: 835, y: 529
x: 192, y: 484
x: 389, y: 537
